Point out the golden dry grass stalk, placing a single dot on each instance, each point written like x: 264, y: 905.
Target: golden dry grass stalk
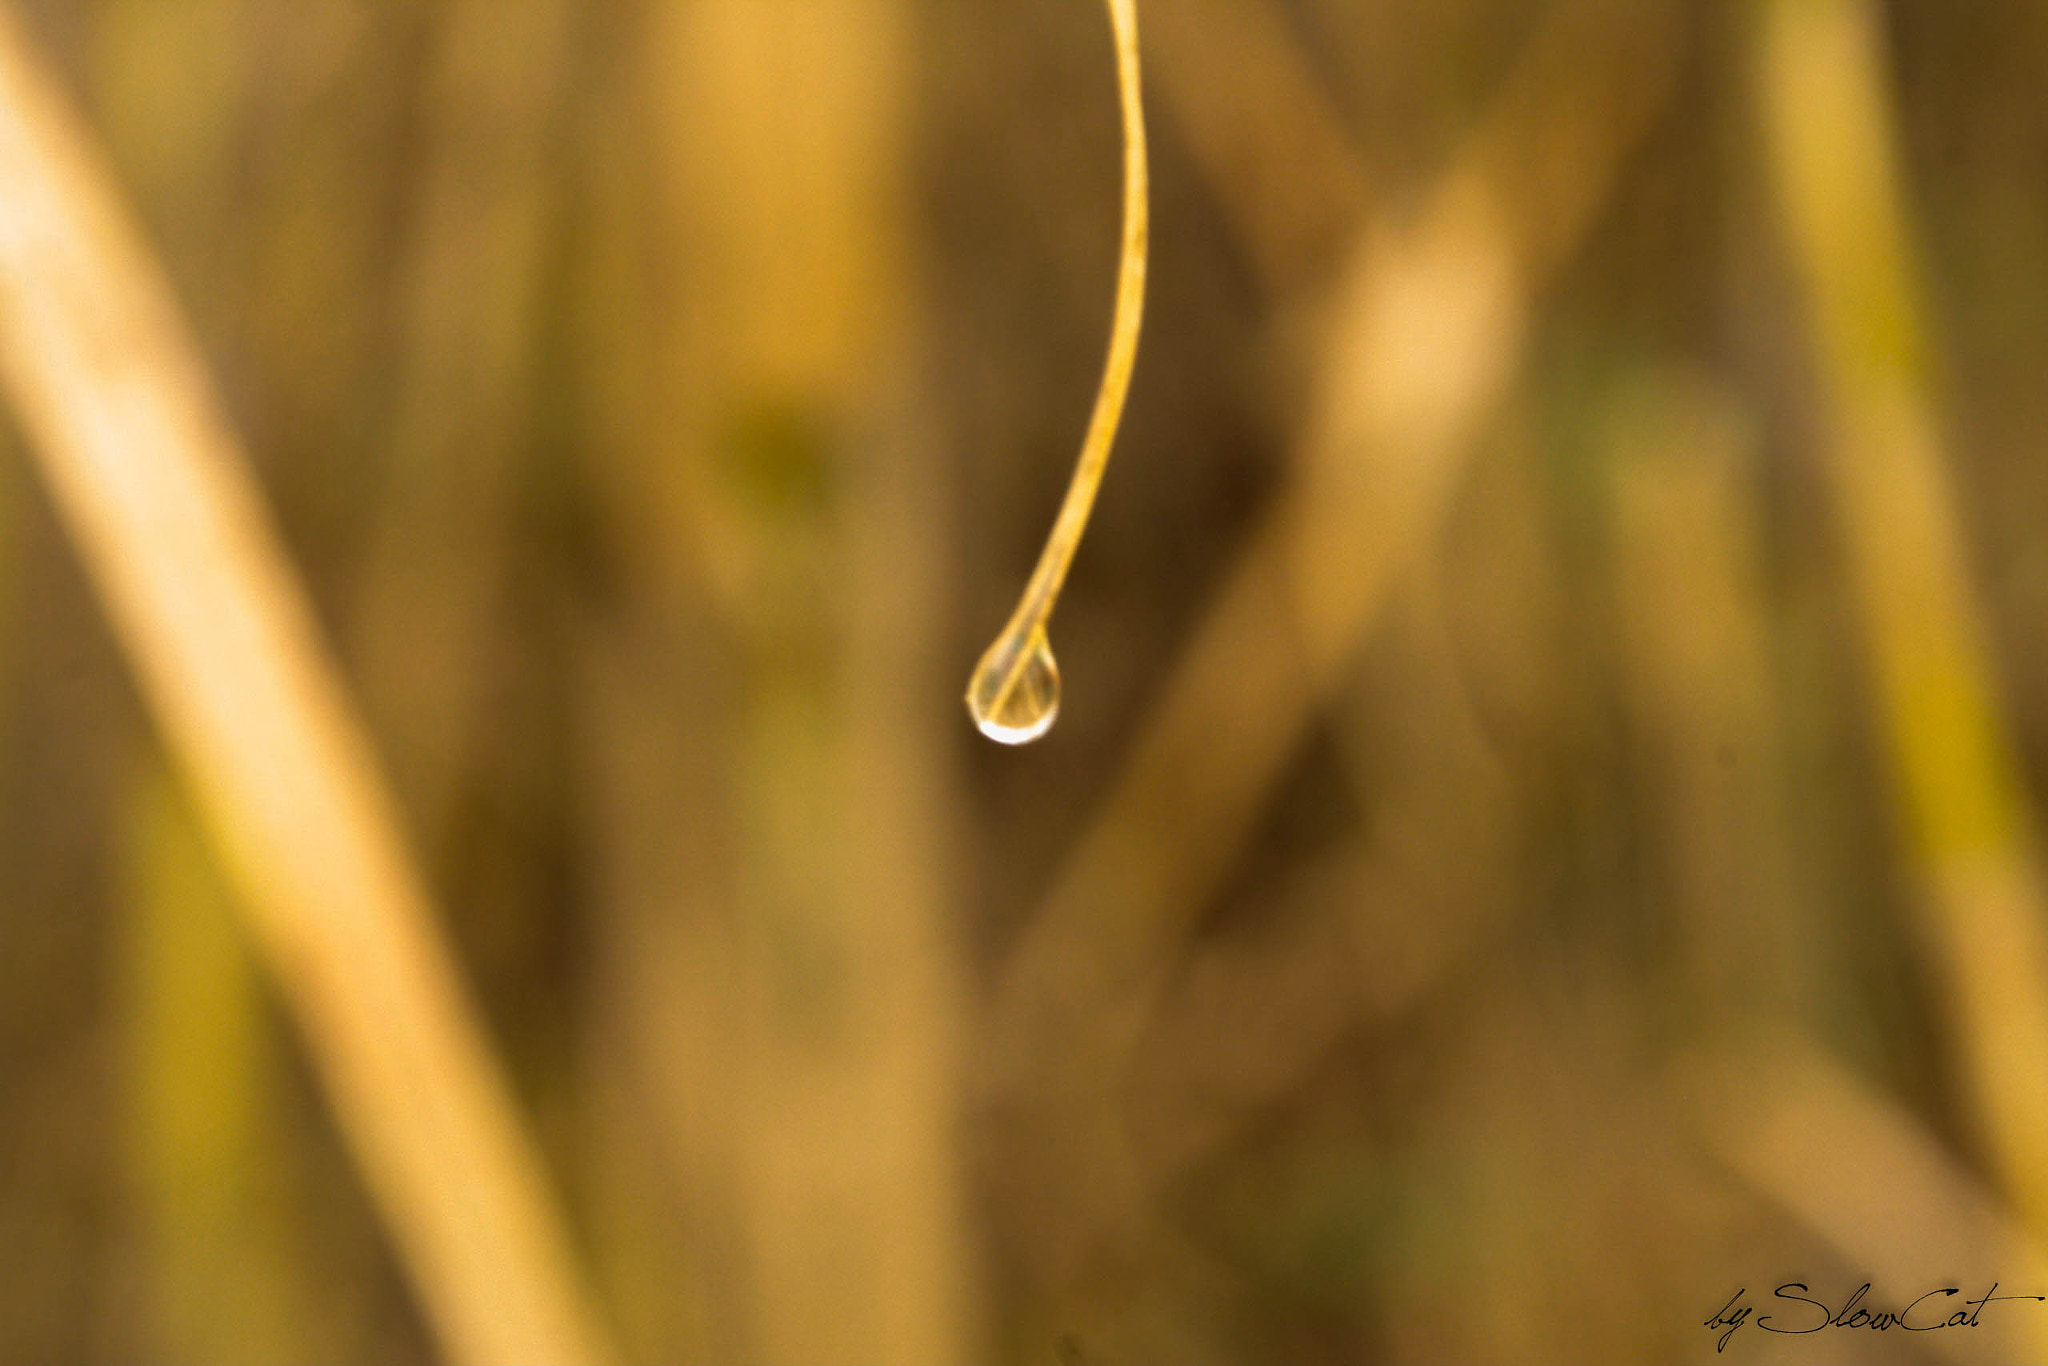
x: 151, y: 483
x: 1014, y: 695
x: 1963, y: 811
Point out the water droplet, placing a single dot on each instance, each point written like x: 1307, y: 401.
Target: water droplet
x: 1015, y: 693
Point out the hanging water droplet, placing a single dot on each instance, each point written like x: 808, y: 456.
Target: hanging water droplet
x: 1015, y: 692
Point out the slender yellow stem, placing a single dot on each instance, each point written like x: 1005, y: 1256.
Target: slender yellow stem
x: 1014, y: 694
x: 1964, y: 807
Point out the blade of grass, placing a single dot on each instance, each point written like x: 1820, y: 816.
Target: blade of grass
x: 428, y: 619
x: 790, y: 385
x: 226, y: 1276
x: 155, y: 492
x: 1864, y: 1173
x: 1684, y: 521
x: 662, y: 1034
x: 1963, y: 812
x: 1359, y: 938
x: 1240, y: 84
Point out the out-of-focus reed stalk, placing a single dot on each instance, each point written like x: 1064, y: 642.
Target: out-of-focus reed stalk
x: 428, y: 622
x: 1264, y: 131
x: 1685, y: 514
x: 198, y: 1086
x: 223, y: 1247
x: 154, y: 489
x: 1361, y: 935
x: 789, y: 123
x: 220, y: 1251
x: 1867, y: 1176
x: 1967, y: 822
x: 651, y: 704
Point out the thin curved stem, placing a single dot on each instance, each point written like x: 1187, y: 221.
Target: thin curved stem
x: 993, y: 691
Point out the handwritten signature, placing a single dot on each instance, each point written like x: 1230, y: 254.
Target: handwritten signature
x: 1924, y: 1315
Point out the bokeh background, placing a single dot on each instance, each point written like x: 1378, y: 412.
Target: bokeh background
x: 1544, y: 829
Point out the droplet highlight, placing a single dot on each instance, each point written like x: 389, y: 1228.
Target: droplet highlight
x: 1014, y: 696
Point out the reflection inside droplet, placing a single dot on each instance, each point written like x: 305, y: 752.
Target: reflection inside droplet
x: 1015, y: 692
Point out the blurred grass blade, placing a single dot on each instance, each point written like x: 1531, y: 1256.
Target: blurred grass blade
x: 154, y: 490
x: 1685, y: 522
x: 791, y: 373
x: 1864, y: 1173
x: 222, y: 1255
x: 1963, y: 811
x: 1244, y: 92
x: 429, y: 614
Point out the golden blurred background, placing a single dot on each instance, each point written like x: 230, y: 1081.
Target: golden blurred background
x: 498, y: 503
